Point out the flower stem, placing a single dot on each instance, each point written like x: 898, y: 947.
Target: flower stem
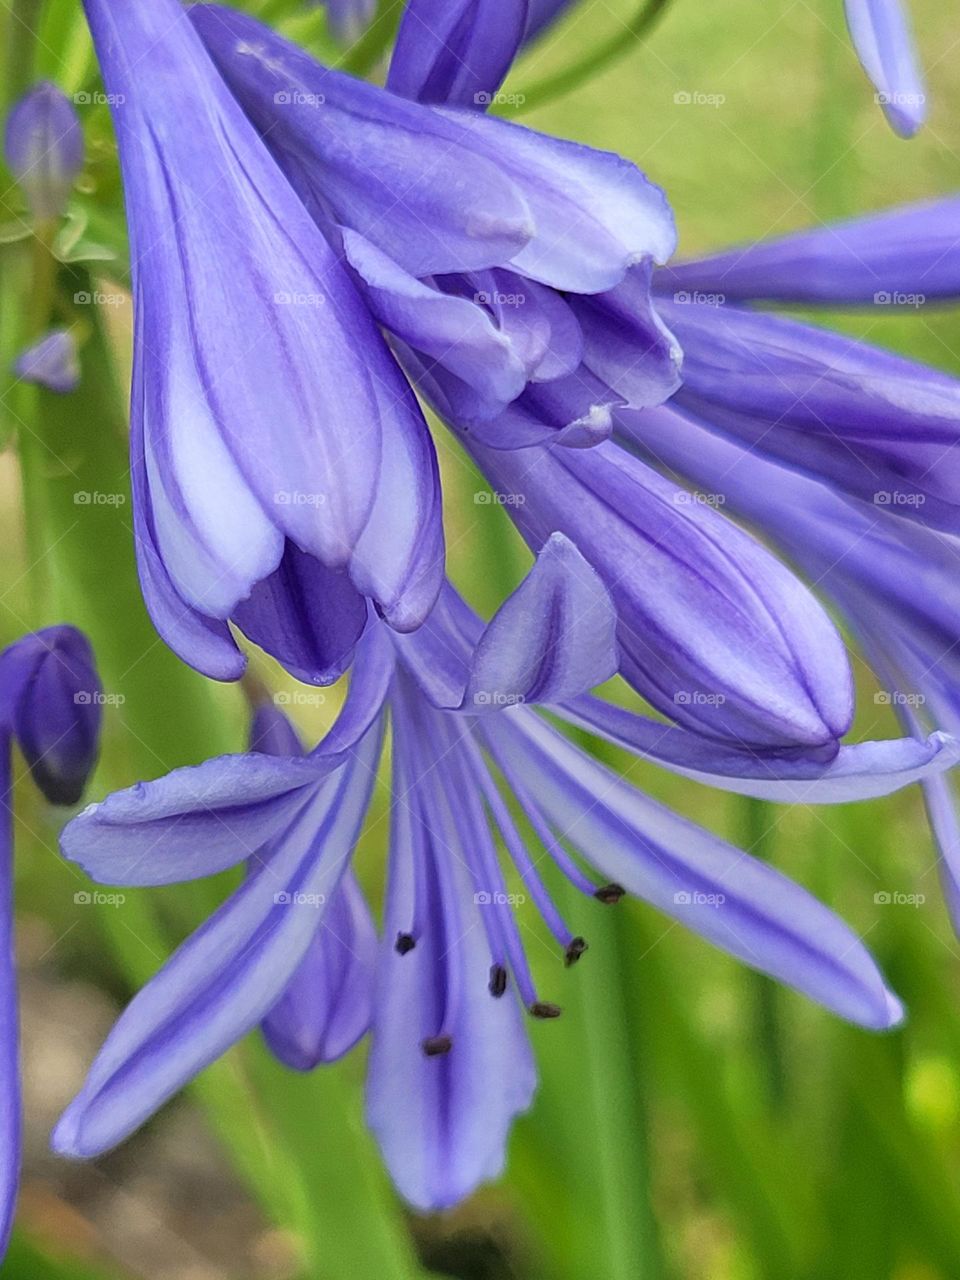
x: 595, y: 60
x: 22, y: 22
x: 758, y: 829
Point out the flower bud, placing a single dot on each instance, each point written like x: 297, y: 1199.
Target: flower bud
x: 51, y: 362
x: 52, y: 697
x: 44, y: 148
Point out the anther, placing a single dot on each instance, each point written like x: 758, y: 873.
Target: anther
x: 405, y: 942
x: 436, y: 1046
x: 498, y: 980
x: 575, y: 949
x: 608, y: 894
x: 543, y: 1010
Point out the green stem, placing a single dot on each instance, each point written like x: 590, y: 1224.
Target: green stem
x: 759, y: 825
x: 21, y: 26
x: 362, y: 56
x: 595, y: 60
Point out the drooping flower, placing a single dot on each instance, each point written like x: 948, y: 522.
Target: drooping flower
x: 52, y: 362
x: 451, y: 979
x: 880, y: 30
x: 282, y: 470
x: 845, y: 456
x: 43, y: 147
x: 50, y: 705
x: 559, y: 330
x: 500, y: 260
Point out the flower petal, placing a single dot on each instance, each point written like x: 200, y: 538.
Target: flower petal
x: 898, y: 257
x: 734, y: 901
x: 884, y: 43
x: 867, y: 422
x: 456, y: 51
x: 228, y: 974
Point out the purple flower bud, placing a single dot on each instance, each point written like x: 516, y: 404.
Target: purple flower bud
x: 44, y: 148
x: 51, y: 698
x: 51, y: 362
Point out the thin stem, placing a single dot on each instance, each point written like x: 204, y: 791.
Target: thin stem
x: 616, y: 46
x: 758, y: 830
x: 23, y: 20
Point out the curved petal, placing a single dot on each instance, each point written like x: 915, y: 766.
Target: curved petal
x: 881, y: 35
x: 861, y: 771
x: 228, y: 974
x: 306, y: 616
x: 328, y: 1004
x: 899, y: 257
x: 866, y: 422
x: 392, y: 170
x: 714, y: 631
x: 453, y: 331
x: 552, y: 638
x: 456, y: 51
x: 734, y: 901
x: 441, y: 1118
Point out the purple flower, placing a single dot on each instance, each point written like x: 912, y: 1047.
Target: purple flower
x: 51, y: 363
x: 508, y: 266
x: 43, y: 146
x: 50, y: 706
x: 282, y: 470
x: 350, y: 18
x: 445, y: 999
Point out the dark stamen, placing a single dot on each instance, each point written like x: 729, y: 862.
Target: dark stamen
x: 498, y: 980
x: 436, y: 1046
x: 608, y: 894
x: 575, y: 949
x: 405, y: 942
x: 543, y: 1010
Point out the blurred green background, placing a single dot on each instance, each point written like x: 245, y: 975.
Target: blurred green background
x: 693, y: 1121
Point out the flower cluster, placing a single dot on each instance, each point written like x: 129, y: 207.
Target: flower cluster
x: 314, y: 259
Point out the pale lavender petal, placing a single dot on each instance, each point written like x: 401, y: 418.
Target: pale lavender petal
x: 52, y: 363
x: 228, y: 974
x: 733, y: 900
x: 881, y: 34
x: 43, y: 147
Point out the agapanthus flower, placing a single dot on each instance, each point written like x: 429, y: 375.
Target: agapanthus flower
x: 43, y: 147
x: 282, y: 471
x: 450, y: 1065
x: 557, y: 244
x: 50, y: 706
